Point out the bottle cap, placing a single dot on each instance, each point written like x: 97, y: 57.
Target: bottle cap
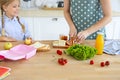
x: 100, y: 33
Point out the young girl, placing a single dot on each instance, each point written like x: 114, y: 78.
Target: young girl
x: 87, y: 17
x: 12, y: 28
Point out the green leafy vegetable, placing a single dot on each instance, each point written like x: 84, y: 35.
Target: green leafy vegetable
x: 81, y: 52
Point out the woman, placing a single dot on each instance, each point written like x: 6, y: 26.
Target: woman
x: 87, y: 17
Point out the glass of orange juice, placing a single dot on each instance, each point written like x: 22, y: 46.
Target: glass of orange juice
x: 63, y: 37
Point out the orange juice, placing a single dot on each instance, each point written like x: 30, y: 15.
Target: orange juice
x: 99, y: 43
x: 63, y: 37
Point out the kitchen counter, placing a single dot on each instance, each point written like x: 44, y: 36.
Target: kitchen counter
x: 116, y: 14
x: 44, y: 66
x: 48, y: 13
x: 41, y: 13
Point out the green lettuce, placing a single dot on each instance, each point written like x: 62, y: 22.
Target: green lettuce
x: 81, y: 52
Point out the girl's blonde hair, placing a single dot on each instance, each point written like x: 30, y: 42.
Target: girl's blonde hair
x: 6, y: 3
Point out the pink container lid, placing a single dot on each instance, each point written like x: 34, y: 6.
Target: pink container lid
x: 19, y: 52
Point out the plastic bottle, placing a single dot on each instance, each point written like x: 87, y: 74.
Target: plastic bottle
x: 99, y: 44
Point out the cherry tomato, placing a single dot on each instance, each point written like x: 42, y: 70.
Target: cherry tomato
x: 91, y: 62
x: 59, y: 52
x: 107, y: 63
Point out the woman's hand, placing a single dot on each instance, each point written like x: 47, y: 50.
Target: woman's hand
x: 73, y: 32
x: 81, y: 36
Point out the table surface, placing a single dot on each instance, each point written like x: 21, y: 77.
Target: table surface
x: 44, y: 66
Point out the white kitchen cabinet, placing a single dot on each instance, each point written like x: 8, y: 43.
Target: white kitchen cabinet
x: 49, y: 28
x: 113, y: 29
x: 30, y: 22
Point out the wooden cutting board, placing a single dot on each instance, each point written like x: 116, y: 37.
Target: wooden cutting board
x: 61, y: 47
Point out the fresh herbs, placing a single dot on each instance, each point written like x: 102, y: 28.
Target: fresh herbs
x: 81, y: 52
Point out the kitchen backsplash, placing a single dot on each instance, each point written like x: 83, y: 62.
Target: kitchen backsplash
x: 26, y: 4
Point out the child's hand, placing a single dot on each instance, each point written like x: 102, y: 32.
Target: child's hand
x: 2, y: 38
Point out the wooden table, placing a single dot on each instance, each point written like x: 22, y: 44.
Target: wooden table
x: 44, y: 66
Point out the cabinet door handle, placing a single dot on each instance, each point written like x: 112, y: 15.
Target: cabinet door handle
x: 54, y: 19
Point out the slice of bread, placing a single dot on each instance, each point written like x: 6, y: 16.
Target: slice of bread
x: 59, y: 43
x: 41, y: 46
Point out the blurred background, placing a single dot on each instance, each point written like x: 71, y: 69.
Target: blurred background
x: 46, y: 19
x: 26, y: 4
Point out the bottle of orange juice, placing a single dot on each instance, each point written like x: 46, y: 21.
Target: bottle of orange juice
x: 99, y: 44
